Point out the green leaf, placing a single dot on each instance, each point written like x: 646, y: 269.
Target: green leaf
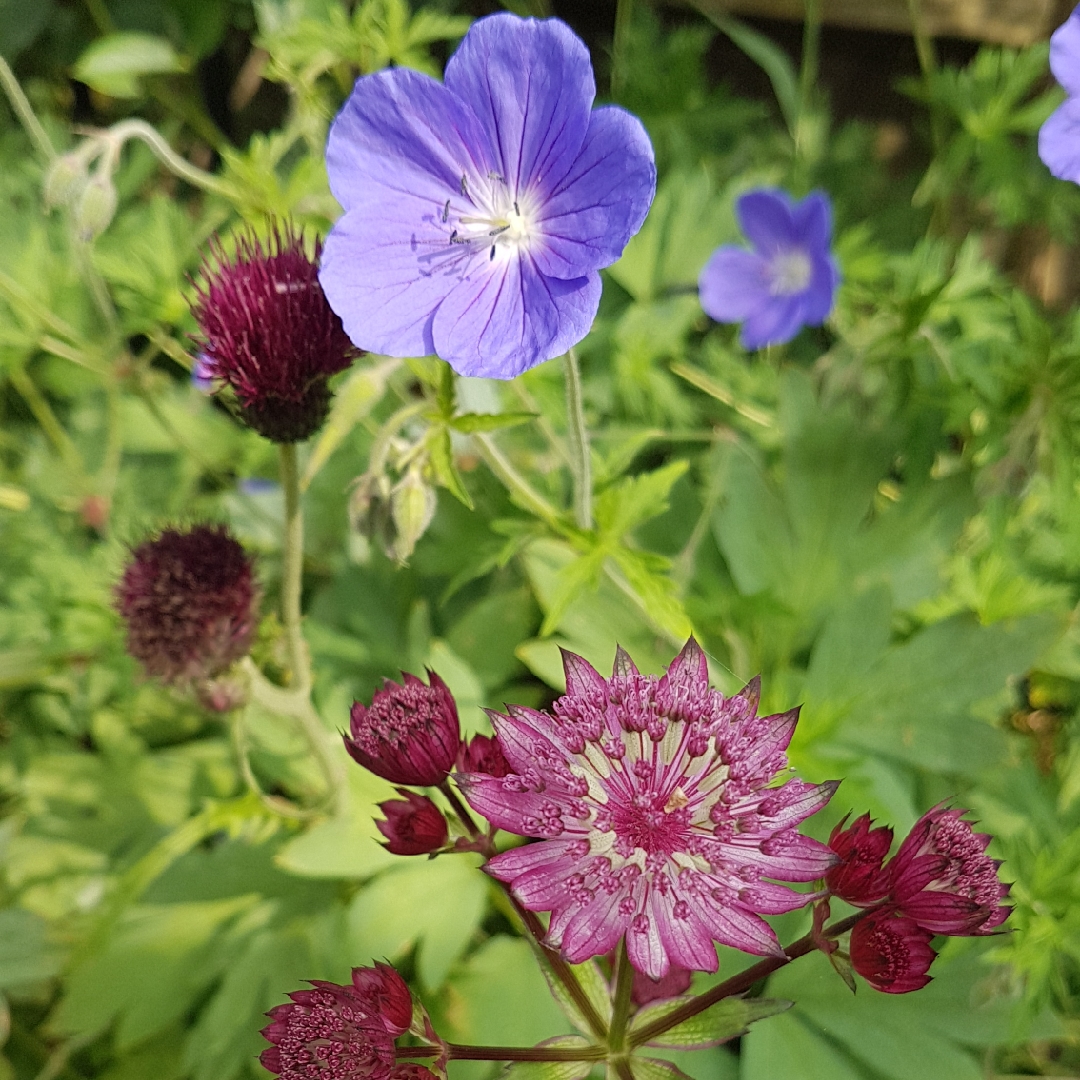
x: 788, y: 1049
x: 467, y: 423
x: 26, y: 956
x: 648, y: 575
x: 552, y: 1070
x: 112, y: 64
x: 596, y: 987
x: 649, y: 1068
x: 636, y: 499
x: 725, y: 1020
x: 441, y: 456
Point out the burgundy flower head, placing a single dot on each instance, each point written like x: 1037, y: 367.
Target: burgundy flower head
x: 338, y: 1032
x: 891, y: 952
x: 859, y: 877
x: 190, y: 601
x: 267, y: 331
x: 483, y: 755
x: 409, y: 734
x: 943, y: 878
x: 660, y: 820
x: 413, y: 826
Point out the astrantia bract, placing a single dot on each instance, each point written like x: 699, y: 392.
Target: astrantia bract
x: 787, y: 282
x: 479, y: 210
x: 659, y: 814
x: 1059, y: 137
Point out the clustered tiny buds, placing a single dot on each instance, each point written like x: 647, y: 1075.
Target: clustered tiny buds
x: 268, y: 333
x: 409, y: 734
x: 343, y: 1032
x: 482, y: 754
x: 941, y: 881
x: 191, y: 602
x: 414, y: 825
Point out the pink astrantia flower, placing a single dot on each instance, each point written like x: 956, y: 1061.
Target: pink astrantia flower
x: 409, y: 734
x: 656, y: 804
x: 344, y: 1032
x: 891, y: 952
x: 943, y: 878
x: 859, y: 877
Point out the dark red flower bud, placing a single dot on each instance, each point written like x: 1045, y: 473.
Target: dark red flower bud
x: 483, y: 754
x: 413, y: 826
x: 190, y: 602
x: 859, y: 878
x: 674, y: 983
x: 385, y: 991
x: 331, y: 1031
x: 943, y: 878
x: 891, y: 952
x: 268, y: 331
x: 411, y: 1070
x: 409, y: 734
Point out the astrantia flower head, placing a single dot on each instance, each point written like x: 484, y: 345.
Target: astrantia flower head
x: 190, y: 601
x: 483, y: 754
x: 787, y: 282
x: 409, y: 734
x: 891, y: 952
x: 414, y: 825
x: 1059, y: 137
x: 340, y: 1032
x: 859, y: 877
x: 943, y: 878
x: 479, y: 210
x: 661, y: 820
x: 269, y: 333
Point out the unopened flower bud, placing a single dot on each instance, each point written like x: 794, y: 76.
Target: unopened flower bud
x: 96, y: 206
x: 413, y: 826
x: 223, y: 694
x: 483, y: 754
x: 409, y: 734
x: 892, y: 953
x: 190, y: 601
x: 66, y: 178
x: 385, y: 992
x: 369, y: 511
x: 412, y: 505
x: 859, y: 877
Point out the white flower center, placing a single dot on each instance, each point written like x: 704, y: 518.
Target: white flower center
x: 790, y: 272
x: 494, y: 217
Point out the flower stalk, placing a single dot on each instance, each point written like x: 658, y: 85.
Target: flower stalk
x: 580, y: 463
x: 292, y: 570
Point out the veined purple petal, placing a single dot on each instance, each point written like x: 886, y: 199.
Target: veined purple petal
x: 530, y: 84
x: 550, y: 856
x: 766, y: 220
x: 686, y: 940
x: 819, y: 296
x: 734, y: 284
x: 736, y: 927
x: 1065, y: 53
x: 587, y: 220
x: 595, y: 928
x: 775, y: 324
x: 582, y: 678
x: 645, y: 947
x: 1059, y: 141
x: 812, y: 218
x: 501, y: 321
x: 517, y: 734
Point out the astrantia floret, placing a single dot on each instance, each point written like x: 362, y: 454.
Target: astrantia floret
x: 269, y: 333
x: 479, y: 210
x: 660, y: 815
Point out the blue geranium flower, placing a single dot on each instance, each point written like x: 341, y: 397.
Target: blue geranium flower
x: 787, y: 282
x: 1059, y: 137
x: 479, y: 210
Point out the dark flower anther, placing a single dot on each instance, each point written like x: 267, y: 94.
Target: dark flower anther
x: 409, y: 734
x: 891, y: 952
x: 483, y: 754
x: 268, y: 332
x: 860, y: 878
x: 190, y: 600
x: 943, y: 878
x: 340, y: 1032
x: 414, y: 825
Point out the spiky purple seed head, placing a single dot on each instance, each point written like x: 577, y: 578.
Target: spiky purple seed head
x: 409, y: 734
x: 190, y: 600
x: 268, y: 332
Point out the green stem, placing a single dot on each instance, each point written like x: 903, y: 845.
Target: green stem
x: 624, y: 984
x: 44, y: 415
x: 274, y: 803
x: 292, y: 570
x: 460, y: 1052
x: 22, y: 108
x: 741, y: 983
x: 458, y: 807
x: 515, y: 483
x: 624, y: 17
x: 808, y: 72
x: 581, y: 464
x: 924, y: 49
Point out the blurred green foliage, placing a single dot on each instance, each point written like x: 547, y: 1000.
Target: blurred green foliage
x: 883, y: 519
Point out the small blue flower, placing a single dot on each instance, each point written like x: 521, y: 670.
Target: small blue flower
x: 479, y: 210
x: 202, y: 374
x: 787, y: 282
x: 1059, y: 137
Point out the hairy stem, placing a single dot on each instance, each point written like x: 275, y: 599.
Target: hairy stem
x: 519, y: 488
x: 292, y: 554
x: 22, y: 108
x: 581, y: 465
x: 739, y: 984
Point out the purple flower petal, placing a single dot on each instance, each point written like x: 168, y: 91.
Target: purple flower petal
x: 734, y: 284
x: 766, y: 220
x: 500, y: 322
x: 1059, y: 141
x: 812, y: 218
x: 1065, y: 53
x: 595, y: 928
x: 530, y: 84
x: 588, y: 220
x: 775, y: 324
x: 819, y: 296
